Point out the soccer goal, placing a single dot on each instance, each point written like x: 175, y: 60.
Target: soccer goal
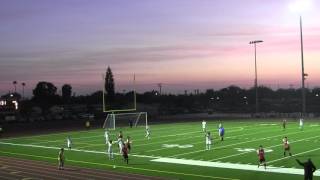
x: 137, y: 119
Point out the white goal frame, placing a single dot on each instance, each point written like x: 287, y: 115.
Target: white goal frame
x: 112, y: 117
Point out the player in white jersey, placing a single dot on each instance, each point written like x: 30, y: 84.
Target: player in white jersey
x: 208, y: 141
x: 106, y: 135
x: 286, y: 146
x: 110, y: 152
x: 204, y: 126
x: 148, y: 132
x: 120, y: 144
x: 301, y: 124
x: 69, y: 142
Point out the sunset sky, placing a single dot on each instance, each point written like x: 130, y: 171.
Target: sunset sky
x: 184, y: 44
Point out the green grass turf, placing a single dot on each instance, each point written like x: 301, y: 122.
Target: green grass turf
x: 239, y: 134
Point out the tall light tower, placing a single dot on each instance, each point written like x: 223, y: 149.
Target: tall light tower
x: 303, y: 74
x: 255, y: 70
x: 299, y: 6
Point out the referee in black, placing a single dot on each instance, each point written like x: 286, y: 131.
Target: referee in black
x: 309, y: 169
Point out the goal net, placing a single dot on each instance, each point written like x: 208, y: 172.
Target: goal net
x: 126, y: 119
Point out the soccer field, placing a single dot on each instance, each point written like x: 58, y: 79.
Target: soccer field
x: 177, y: 150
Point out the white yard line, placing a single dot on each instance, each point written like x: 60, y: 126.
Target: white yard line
x: 230, y: 137
x: 78, y: 150
x: 194, y: 162
x: 89, y: 137
x: 276, y: 160
x: 32, y: 137
x: 233, y: 144
x: 144, y: 139
x: 50, y: 134
x: 225, y: 157
x: 172, y: 135
x: 193, y: 132
x: 160, y: 142
x: 126, y: 167
x: 64, y: 139
x: 159, y: 149
x: 93, y: 131
x: 245, y: 167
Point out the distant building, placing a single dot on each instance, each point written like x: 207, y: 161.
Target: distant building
x: 9, y: 106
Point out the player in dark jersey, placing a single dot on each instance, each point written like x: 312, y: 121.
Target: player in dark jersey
x: 128, y: 143
x: 262, y: 159
x: 125, y: 154
x: 284, y: 123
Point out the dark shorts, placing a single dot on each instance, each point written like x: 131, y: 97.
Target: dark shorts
x: 61, y: 163
x: 125, y: 156
x: 262, y: 160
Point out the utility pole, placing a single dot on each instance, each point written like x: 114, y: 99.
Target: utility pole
x: 160, y: 87
x: 303, y: 74
x: 256, y: 74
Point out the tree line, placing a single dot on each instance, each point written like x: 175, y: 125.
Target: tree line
x: 229, y: 99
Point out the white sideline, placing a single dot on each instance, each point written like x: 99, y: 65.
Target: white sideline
x: 189, y: 162
x: 74, y: 149
x: 234, y: 166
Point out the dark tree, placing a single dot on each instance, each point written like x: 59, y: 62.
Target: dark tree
x: 66, y: 92
x: 109, y: 85
x: 45, y: 95
x: 44, y: 89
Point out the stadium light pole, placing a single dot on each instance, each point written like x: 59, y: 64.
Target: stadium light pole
x: 255, y: 70
x: 303, y: 74
x: 299, y: 6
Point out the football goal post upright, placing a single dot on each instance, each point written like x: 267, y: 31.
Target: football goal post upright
x: 123, y: 114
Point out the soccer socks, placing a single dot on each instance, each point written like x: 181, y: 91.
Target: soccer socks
x: 284, y: 154
x: 208, y: 147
